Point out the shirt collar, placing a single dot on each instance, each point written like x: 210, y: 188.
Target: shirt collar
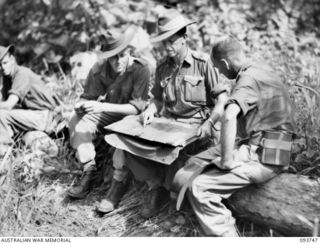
x: 188, y: 58
x: 243, y: 68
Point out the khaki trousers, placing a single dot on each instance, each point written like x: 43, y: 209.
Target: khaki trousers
x: 209, y: 188
x: 15, y: 120
x: 83, y: 129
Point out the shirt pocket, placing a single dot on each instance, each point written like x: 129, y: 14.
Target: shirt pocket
x: 194, y: 89
x: 168, y: 94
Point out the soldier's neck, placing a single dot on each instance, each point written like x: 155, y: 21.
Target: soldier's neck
x: 181, y: 56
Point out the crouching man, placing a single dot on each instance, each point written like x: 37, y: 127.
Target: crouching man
x: 259, y: 107
x: 123, y: 81
x: 26, y: 104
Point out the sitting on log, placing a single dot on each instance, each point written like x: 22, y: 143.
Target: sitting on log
x: 259, y: 109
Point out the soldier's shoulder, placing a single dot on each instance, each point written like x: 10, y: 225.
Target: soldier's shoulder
x: 200, y: 56
x: 24, y: 70
x: 140, y: 63
x: 162, y: 63
x: 98, y: 66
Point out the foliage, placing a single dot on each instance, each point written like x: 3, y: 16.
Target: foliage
x: 285, y: 34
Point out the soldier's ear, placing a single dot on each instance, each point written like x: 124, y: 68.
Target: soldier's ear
x: 225, y: 64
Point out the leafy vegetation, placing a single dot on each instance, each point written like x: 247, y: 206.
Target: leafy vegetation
x: 285, y: 34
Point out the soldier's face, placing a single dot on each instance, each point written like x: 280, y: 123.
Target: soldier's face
x: 120, y: 61
x: 174, y: 45
x: 7, y: 64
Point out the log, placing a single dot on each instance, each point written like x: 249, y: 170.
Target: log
x: 289, y: 204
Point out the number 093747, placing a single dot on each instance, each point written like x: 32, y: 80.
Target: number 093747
x: 309, y: 239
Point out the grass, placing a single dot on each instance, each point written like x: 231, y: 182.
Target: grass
x: 32, y: 185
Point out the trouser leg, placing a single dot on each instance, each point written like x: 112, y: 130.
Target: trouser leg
x: 12, y: 121
x: 209, y: 188
x: 205, y: 197
x: 82, y: 131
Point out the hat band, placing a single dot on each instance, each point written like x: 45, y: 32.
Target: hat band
x: 113, y: 45
x: 174, y: 24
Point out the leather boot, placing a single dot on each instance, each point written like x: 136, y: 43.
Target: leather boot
x: 156, y: 199
x: 81, y: 190
x: 113, y: 197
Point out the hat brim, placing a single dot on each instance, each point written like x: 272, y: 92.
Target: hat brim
x: 9, y: 49
x: 128, y: 36
x: 162, y: 36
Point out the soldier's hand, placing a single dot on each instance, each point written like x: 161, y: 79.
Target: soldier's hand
x: 93, y: 107
x: 79, y: 108
x: 147, y: 116
x: 205, y: 130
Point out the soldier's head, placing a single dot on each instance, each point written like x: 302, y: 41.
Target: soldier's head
x: 228, y: 56
x: 172, y: 32
x: 116, y: 48
x: 7, y: 60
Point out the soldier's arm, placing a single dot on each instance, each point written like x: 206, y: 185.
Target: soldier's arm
x: 10, y: 103
x: 228, y: 135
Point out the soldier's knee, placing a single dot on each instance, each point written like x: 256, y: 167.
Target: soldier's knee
x: 4, y: 115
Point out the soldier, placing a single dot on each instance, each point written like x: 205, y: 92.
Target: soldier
x: 123, y: 81
x: 184, y: 91
x: 260, y: 104
x: 27, y: 104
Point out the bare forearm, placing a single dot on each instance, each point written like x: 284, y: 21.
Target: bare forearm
x: 10, y: 102
x: 229, y: 132
x: 228, y: 137
x: 126, y: 109
x: 5, y: 105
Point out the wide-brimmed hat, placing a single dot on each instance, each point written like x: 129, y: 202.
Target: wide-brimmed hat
x: 169, y: 24
x: 115, y: 41
x: 5, y: 50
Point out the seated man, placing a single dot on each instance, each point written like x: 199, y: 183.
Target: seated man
x: 123, y: 80
x: 260, y: 104
x: 184, y: 91
x: 26, y: 104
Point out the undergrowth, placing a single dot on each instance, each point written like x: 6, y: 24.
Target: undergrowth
x: 32, y: 185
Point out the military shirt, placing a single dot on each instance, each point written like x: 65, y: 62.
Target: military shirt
x: 185, y: 90
x: 130, y: 87
x: 31, y: 90
x: 263, y: 100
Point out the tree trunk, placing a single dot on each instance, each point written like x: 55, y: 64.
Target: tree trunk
x: 288, y: 203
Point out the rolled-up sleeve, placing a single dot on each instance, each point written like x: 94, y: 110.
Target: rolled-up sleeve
x: 21, y: 85
x: 245, y: 94
x: 139, y: 95
x: 219, y: 89
x: 93, y: 86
